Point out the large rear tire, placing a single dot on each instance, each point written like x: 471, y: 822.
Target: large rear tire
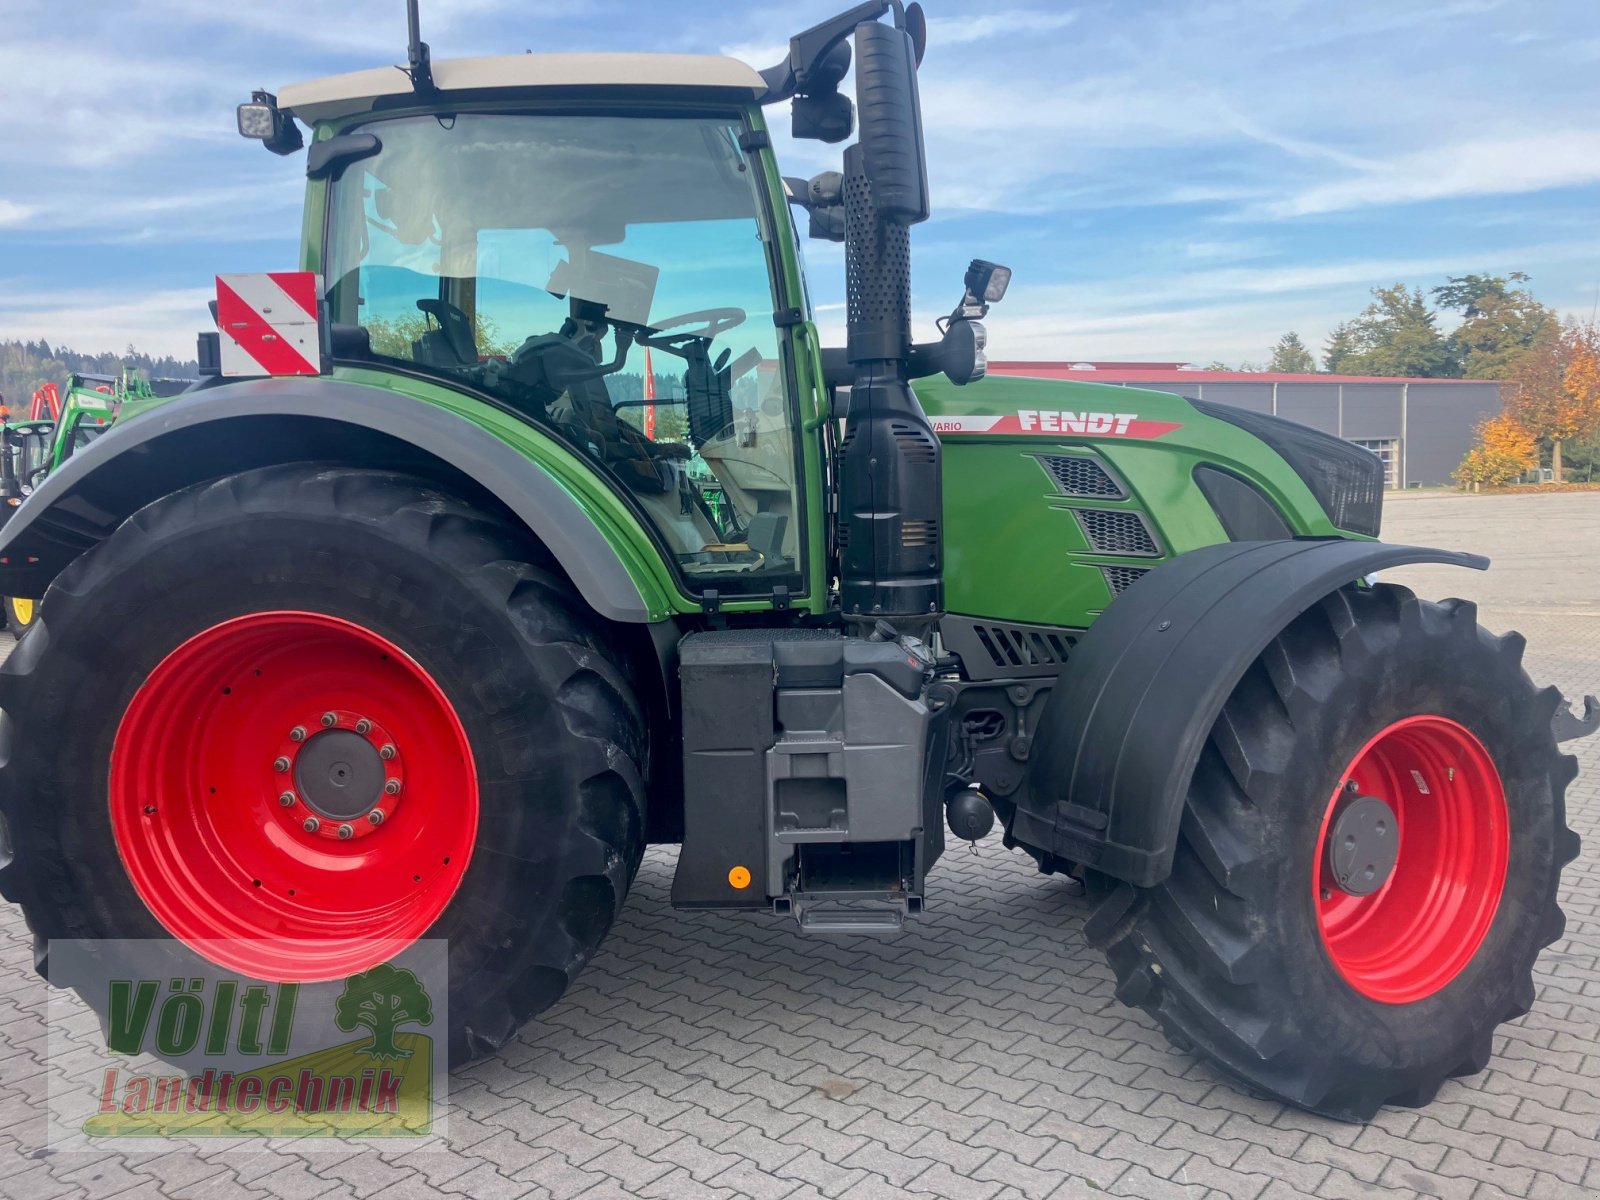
x: 163, y: 727
x: 1306, y: 952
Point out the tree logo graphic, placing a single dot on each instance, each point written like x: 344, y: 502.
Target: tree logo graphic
x: 382, y: 1000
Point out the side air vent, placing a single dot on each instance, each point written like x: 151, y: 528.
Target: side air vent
x: 1080, y: 475
x: 1120, y: 579
x: 1002, y: 650
x: 916, y: 446
x: 919, y: 533
x: 1117, y: 531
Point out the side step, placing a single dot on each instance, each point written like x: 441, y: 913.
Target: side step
x: 848, y: 912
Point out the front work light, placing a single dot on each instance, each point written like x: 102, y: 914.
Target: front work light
x: 987, y: 282
x: 261, y: 120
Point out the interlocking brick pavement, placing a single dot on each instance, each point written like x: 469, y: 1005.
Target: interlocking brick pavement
x: 980, y: 1053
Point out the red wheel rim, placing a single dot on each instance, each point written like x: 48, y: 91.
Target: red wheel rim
x: 241, y: 776
x: 1420, y: 929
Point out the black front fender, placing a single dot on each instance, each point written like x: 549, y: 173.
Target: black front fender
x: 210, y: 432
x: 1125, y: 724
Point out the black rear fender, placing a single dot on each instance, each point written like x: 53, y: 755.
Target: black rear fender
x: 1125, y: 724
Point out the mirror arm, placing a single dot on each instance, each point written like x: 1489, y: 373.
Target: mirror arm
x: 807, y: 50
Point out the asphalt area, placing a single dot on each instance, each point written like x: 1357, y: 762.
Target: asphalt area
x: 980, y: 1053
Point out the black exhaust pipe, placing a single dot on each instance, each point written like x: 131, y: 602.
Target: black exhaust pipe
x: 890, y: 538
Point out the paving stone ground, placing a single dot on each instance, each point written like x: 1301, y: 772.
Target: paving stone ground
x: 979, y: 1054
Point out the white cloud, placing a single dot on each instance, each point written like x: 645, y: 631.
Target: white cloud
x: 961, y: 31
x: 163, y: 322
x: 1509, y: 165
x: 12, y: 213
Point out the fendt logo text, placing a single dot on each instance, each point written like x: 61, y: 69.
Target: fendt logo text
x: 1047, y: 422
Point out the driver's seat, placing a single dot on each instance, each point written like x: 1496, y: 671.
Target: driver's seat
x: 586, y: 412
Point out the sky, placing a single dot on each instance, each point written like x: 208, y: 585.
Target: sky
x: 1174, y: 180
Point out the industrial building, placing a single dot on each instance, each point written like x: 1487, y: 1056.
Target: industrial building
x: 1420, y: 428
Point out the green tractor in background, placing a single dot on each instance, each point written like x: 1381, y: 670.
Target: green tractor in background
x: 406, y: 634
x: 58, y: 425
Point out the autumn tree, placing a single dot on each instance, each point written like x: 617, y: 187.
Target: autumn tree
x: 1500, y: 322
x: 1290, y: 356
x: 1555, y: 389
x: 1503, y: 451
x: 1397, y: 334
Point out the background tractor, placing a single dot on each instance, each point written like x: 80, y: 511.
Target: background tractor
x: 56, y: 426
x: 412, y: 630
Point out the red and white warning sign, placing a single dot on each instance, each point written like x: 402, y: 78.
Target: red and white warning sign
x: 269, y: 323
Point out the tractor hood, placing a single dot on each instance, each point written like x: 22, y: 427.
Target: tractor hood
x: 1058, y: 495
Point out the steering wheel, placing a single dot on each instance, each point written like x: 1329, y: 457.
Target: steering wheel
x: 712, y: 322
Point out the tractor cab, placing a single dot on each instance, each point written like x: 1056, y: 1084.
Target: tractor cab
x: 610, y: 277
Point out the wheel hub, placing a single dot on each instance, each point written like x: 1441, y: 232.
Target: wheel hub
x: 1363, y: 844
x: 347, y: 777
x: 339, y: 775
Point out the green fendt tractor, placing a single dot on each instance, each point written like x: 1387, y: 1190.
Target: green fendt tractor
x: 410, y: 630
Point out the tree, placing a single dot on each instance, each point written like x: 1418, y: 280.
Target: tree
x: 1555, y: 389
x: 1339, y: 349
x: 393, y: 336
x: 1505, y: 449
x: 381, y: 1000
x: 1397, y: 334
x: 1499, y: 322
x: 1291, y: 356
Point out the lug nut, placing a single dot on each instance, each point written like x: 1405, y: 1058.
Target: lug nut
x: 311, y: 825
x: 346, y: 832
x: 375, y: 817
x: 329, y: 720
x: 280, y: 763
x: 392, y: 787
x: 297, y: 734
x: 363, y: 726
x: 386, y: 751
x: 286, y: 799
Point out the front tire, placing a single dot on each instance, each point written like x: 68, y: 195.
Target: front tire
x: 1254, y: 953
x: 225, y: 632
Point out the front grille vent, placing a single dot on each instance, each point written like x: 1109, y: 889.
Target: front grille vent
x: 1120, y: 579
x: 1015, y: 646
x: 1117, y: 531
x: 919, y: 533
x: 1079, y: 475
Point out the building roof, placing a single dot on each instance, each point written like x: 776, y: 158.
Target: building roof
x: 1177, y: 373
x: 341, y: 95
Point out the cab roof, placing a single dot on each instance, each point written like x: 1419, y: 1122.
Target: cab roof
x: 355, y: 92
